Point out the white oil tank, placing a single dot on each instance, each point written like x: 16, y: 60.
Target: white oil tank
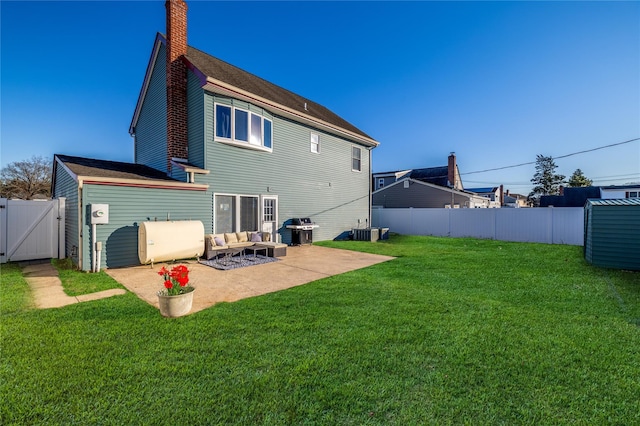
x: 171, y: 240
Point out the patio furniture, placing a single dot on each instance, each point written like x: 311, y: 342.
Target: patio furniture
x: 229, y: 252
x: 256, y: 248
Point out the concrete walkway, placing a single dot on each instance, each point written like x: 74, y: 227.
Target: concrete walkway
x: 47, y: 289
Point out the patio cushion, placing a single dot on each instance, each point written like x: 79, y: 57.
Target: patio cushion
x: 255, y: 237
x: 230, y: 237
x: 242, y: 237
x: 219, y: 241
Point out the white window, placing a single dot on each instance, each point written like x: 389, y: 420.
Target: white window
x: 356, y: 159
x: 240, y: 127
x: 315, y: 143
x: 380, y: 183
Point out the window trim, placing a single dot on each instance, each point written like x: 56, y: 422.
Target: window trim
x: 353, y: 148
x: 237, y: 219
x: 314, y: 144
x: 248, y: 144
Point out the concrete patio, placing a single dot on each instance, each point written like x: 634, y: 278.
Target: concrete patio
x: 301, y: 265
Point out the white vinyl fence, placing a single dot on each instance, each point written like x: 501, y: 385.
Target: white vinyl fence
x: 553, y: 225
x: 31, y: 229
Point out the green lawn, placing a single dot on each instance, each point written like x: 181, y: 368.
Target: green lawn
x: 453, y: 331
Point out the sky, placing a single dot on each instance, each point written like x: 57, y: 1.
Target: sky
x: 495, y: 82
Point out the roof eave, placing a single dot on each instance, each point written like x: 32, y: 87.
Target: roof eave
x: 216, y: 86
x: 144, y: 183
x: 160, y: 39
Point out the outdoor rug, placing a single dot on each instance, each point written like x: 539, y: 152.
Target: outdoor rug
x: 236, y: 262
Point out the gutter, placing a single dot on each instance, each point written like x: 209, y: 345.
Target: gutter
x: 217, y: 86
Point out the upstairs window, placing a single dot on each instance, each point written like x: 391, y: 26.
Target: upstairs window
x: 223, y: 122
x: 356, y: 159
x: 315, y: 143
x: 380, y: 183
x: 240, y: 127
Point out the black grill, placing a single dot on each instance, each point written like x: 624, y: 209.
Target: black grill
x: 301, y: 230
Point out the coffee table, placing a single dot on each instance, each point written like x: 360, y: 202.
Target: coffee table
x: 230, y: 252
x: 255, y: 248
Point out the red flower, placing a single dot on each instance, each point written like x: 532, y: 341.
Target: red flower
x: 178, y: 275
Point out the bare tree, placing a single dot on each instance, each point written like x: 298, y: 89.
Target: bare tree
x: 26, y: 179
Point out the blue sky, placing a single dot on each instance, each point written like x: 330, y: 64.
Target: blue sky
x: 496, y: 82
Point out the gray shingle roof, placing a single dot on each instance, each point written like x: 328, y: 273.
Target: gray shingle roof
x: 111, y: 169
x: 220, y: 70
x: 435, y: 175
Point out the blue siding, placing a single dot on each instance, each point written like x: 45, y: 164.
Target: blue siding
x: 317, y: 185
x: 151, y: 129
x: 66, y: 186
x: 128, y: 207
x: 195, y: 125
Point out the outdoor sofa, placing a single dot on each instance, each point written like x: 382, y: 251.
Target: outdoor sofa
x: 216, y: 243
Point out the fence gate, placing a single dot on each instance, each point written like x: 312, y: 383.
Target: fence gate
x: 31, y: 229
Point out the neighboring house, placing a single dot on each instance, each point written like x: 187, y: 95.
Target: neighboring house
x: 513, y: 200
x: 571, y: 197
x: 620, y: 191
x: 493, y: 193
x: 578, y: 196
x: 418, y: 194
x: 217, y: 144
x: 380, y: 180
x: 447, y: 176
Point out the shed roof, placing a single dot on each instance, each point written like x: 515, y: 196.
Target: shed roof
x: 615, y: 202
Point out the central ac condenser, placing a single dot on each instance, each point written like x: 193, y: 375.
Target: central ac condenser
x: 171, y: 240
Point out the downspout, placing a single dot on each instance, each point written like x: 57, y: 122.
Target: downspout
x: 369, y: 188
x: 80, y: 239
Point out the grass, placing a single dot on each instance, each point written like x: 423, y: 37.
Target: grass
x: 76, y: 283
x: 453, y: 331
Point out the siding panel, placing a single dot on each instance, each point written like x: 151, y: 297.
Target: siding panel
x: 151, y: 129
x: 321, y: 186
x: 67, y: 187
x: 130, y: 206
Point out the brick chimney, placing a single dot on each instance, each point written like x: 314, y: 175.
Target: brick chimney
x: 451, y: 170
x: 176, y: 80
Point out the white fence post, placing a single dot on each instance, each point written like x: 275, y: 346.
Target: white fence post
x: 3, y: 230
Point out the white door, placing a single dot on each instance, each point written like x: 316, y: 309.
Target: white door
x: 269, y: 215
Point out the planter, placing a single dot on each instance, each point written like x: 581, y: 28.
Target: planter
x: 176, y: 306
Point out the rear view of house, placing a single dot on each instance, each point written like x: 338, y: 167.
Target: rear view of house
x: 217, y: 144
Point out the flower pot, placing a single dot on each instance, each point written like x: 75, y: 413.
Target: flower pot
x: 175, y: 306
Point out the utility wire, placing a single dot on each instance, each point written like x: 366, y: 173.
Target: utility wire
x: 555, y: 158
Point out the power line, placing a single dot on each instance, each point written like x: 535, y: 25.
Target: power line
x: 554, y: 158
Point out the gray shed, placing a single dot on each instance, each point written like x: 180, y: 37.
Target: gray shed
x: 612, y: 233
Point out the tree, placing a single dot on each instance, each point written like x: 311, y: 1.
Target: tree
x: 26, y: 179
x: 579, y: 179
x: 546, y: 181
